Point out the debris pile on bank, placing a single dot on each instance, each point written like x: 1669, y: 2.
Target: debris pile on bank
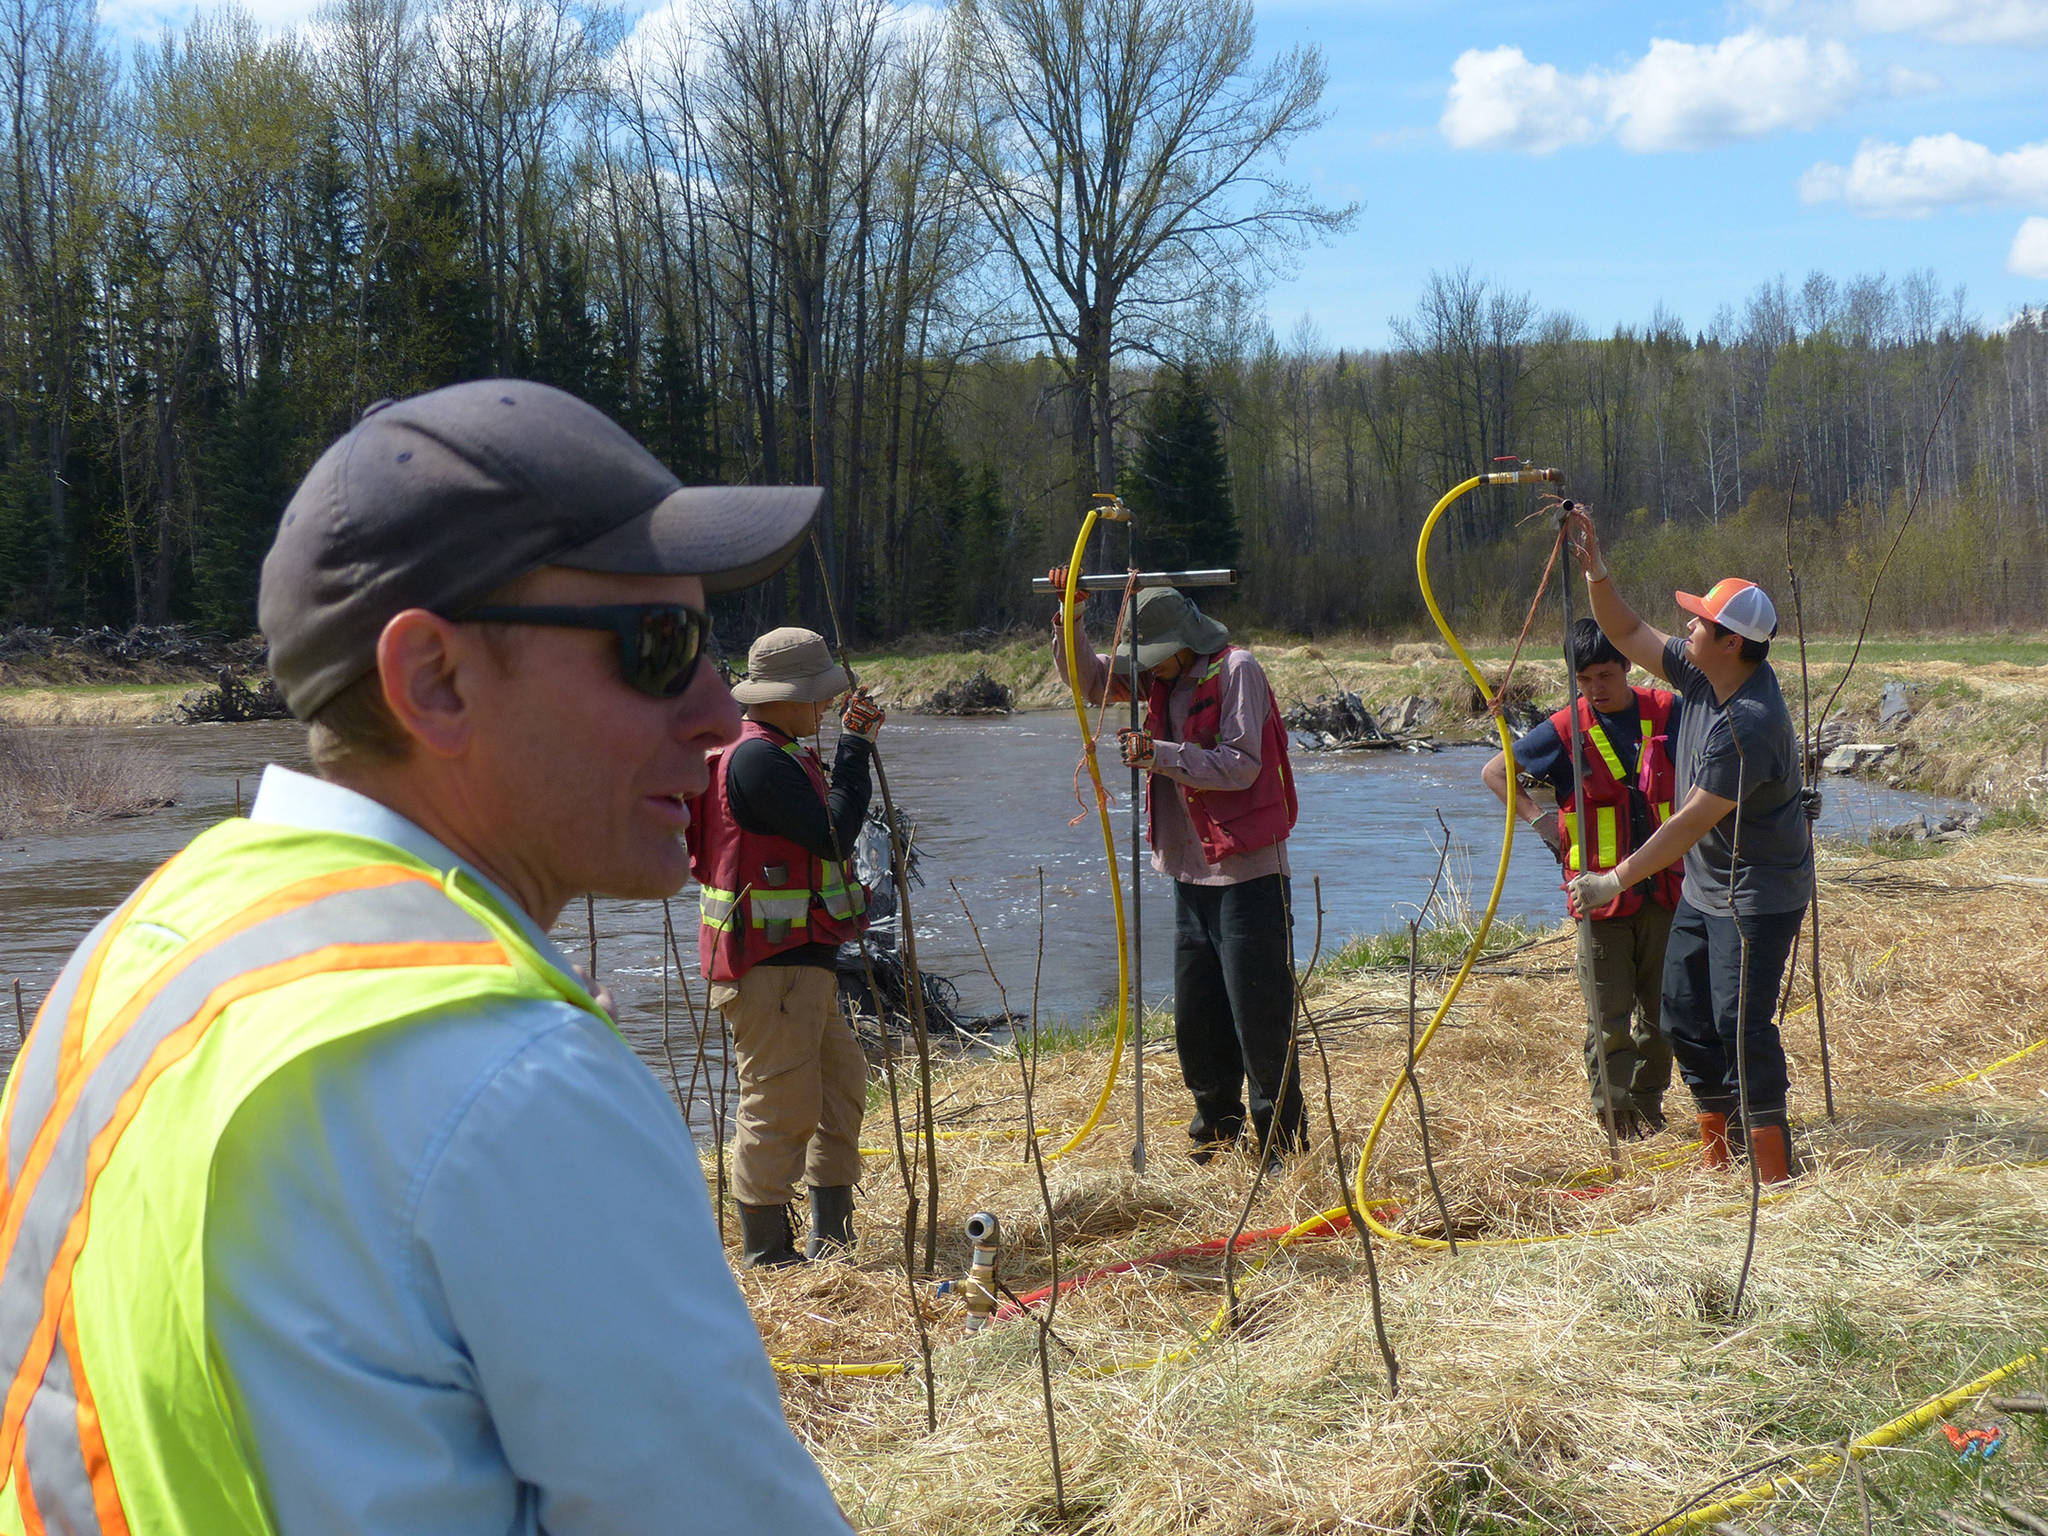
x: 978, y: 695
x: 158, y: 653
x: 1343, y: 723
x: 230, y: 701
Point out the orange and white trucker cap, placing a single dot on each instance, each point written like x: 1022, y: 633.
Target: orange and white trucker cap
x: 1735, y: 604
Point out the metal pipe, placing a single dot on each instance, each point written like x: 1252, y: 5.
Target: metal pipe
x: 1115, y: 582
x: 1580, y: 822
x: 986, y: 1233
x: 1522, y: 477
x: 1138, y: 796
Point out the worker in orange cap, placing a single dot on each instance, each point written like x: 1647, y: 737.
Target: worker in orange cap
x: 1741, y: 804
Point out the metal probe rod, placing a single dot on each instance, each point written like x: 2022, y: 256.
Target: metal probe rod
x: 1115, y: 583
x: 1137, y: 886
x: 1580, y: 819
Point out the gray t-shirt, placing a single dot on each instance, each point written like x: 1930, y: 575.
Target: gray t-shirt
x: 1747, y: 751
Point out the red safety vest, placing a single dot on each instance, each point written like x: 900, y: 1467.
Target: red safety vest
x: 1607, y: 787
x: 764, y: 894
x: 1227, y: 820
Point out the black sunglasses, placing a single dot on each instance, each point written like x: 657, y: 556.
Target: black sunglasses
x: 660, y: 644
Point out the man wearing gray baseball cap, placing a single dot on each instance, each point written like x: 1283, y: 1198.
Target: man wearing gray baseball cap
x: 342, y: 1205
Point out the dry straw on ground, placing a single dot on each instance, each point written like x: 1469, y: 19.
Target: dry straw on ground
x: 1583, y: 1385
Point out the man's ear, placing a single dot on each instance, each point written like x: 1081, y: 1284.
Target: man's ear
x: 426, y: 664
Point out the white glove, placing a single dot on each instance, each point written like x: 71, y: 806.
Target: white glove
x: 1596, y: 889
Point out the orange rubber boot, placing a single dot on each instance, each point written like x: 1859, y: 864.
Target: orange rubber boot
x: 1768, y: 1146
x: 1714, y: 1141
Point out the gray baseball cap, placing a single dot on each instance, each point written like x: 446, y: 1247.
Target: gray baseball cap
x: 438, y: 500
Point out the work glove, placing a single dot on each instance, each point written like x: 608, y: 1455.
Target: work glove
x: 1809, y: 802
x: 1137, y: 747
x: 1548, y: 828
x: 1058, y: 577
x: 1595, y: 890
x: 862, y: 716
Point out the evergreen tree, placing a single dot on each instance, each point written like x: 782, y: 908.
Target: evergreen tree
x: 567, y: 350
x: 1178, y: 482
x: 251, y: 469
x: 675, y: 421
x: 427, y: 306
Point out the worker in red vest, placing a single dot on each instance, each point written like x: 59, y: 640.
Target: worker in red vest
x: 1625, y: 737
x: 1221, y: 801
x: 771, y: 844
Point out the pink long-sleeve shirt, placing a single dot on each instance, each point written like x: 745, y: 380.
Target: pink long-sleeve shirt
x: 1233, y: 763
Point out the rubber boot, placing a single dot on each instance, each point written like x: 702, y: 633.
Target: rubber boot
x: 831, y: 1221
x: 1771, y: 1146
x: 767, y: 1240
x: 1713, y: 1140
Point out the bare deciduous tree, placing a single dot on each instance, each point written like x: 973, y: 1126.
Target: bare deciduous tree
x: 1126, y: 153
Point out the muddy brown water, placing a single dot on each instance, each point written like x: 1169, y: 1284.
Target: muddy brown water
x: 993, y: 800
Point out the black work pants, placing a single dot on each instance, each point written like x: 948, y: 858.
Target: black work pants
x: 1702, y: 995
x: 1233, y: 1009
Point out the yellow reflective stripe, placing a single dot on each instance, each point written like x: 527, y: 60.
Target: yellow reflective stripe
x: 1213, y: 670
x: 1663, y: 811
x: 841, y: 890
x: 715, y: 908
x: 1604, y: 829
x: 1606, y: 751
x: 1571, y: 833
x: 779, y: 907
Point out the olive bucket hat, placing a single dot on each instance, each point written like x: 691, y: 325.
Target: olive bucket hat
x: 1168, y: 621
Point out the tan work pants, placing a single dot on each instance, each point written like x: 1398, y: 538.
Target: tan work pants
x: 803, y: 1082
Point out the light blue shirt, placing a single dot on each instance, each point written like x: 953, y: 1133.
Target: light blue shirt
x: 465, y: 1281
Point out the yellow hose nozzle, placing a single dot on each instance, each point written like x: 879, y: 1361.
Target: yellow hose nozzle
x: 1110, y: 507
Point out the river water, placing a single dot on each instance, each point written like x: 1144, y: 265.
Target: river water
x: 992, y: 798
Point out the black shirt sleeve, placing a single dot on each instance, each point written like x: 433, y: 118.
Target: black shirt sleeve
x: 1541, y: 755
x: 768, y: 791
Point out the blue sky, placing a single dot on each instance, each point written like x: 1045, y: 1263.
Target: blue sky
x: 1607, y: 157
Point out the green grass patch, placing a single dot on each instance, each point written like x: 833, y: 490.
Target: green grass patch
x: 1908, y: 847
x: 1437, y: 947
x: 2025, y: 816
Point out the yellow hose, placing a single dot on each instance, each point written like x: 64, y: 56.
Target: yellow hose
x: 1069, y: 623
x: 1885, y: 1434
x: 1500, y: 880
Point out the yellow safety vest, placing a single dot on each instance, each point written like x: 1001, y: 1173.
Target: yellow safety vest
x: 255, y: 945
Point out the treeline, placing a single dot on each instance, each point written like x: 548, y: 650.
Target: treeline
x: 811, y: 240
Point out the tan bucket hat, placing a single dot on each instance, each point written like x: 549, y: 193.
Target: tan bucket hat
x: 791, y: 664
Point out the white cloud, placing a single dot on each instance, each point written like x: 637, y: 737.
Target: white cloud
x: 1943, y: 170
x: 1957, y: 21
x: 1499, y: 100
x: 2029, y: 255
x: 1677, y: 96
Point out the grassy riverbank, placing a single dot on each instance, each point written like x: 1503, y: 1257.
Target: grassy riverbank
x: 1586, y: 1384
x: 1979, y: 727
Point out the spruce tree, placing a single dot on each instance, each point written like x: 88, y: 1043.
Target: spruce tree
x: 1178, y: 482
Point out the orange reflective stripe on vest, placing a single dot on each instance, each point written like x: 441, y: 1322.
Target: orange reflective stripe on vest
x: 71, y: 1116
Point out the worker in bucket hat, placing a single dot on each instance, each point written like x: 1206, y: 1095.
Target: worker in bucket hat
x: 772, y: 842
x: 1740, y: 825
x: 1220, y: 799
